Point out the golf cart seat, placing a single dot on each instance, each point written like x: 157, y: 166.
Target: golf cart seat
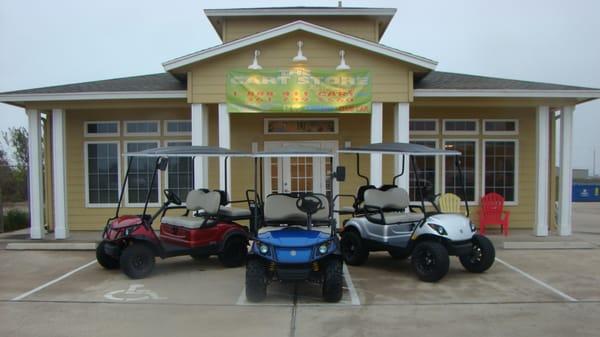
x: 207, y: 203
x: 386, y: 207
x: 234, y: 213
x: 281, y: 209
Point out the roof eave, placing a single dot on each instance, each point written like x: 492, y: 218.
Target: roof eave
x: 337, y: 11
x: 508, y: 93
x: 17, y: 99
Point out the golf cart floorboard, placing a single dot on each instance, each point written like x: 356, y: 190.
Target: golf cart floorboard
x: 170, y: 250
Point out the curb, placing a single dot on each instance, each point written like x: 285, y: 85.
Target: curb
x: 81, y: 246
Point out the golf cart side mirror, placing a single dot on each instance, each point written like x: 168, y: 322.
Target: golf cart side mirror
x: 162, y: 163
x: 340, y: 173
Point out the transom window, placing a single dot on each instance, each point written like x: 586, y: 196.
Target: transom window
x: 452, y: 182
x: 101, y: 129
x: 461, y: 126
x: 426, y: 170
x: 297, y: 126
x: 500, y: 126
x: 500, y: 168
x: 140, y: 175
x: 423, y: 126
x: 180, y: 173
x: 102, y: 173
x: 178, y: 127
x: 142, y: 128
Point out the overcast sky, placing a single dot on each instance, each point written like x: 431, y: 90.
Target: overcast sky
x: 64, y: 41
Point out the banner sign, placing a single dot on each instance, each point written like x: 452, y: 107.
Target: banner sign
x: 299, y: 90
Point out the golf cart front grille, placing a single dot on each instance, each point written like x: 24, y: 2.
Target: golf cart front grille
x: 293, y: 273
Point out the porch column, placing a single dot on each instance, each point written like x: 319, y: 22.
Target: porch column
x: 543, y: 171
x: 36, y: 188
x: 401, y: 134
x: 200, y: 137
x: 225, y: 142
x: 376, y: 137
x: 59, y: 174
x: 565, y: 171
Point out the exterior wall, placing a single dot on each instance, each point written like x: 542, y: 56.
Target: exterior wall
x: 392, y: 80
x: 362, y: 27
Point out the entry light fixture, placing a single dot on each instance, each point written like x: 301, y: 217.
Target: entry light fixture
x: 342, y: 65
x: 299, y: 57
x: 255, y: 65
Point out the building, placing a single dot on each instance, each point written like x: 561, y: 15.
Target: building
x: 297, y: 74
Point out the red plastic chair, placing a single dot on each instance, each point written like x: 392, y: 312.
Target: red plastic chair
x: 491, y: 212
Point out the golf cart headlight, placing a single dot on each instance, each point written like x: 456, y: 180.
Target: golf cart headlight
x: 263, y: 249
x: 473, y: 229
x: 441, y: 230
x: 323, y: 248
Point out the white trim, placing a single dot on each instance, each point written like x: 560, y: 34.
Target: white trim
x: 337, y: 11
x: 425, y: 132
x: 225, y: 142
x: 514, y: 93
x: 94, y: 135
x: 59, y: 174
x: 477, y: 167
x: 87, y: 176
x: 402, y: 135
x: 460, y: 133
x: 376, y: 135
x: 516, y: 170
x: 543, y: 171
x: 176, y: 133
x: 335, y: 126
x: 199, y: 117
x: 500, y: 133
x: 141, y: 134
x: 296, y: 26
x: 436, y: 185
x: 158, y: 177
x: 36, y: 188
x: 93, y: 96
x: 565, y: 180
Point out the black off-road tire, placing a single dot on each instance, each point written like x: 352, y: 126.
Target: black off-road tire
x: 482, y: 256
x: 430, y: 261
x: 353, y: 248
x: 235, y: 251
x: 333, y: 281
x: 105, y: 260
x: 137, y: 260
x: 256, y: 280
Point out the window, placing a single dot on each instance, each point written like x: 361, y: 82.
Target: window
x: 101, y: 129
x: 140, y: 175
x: 501, y: 126
x: 452, y: 181
x: 142, y: 128
x: 178, y: 128
x: 102, y: 173
x: 426, y: 169
x: 423, y: 126
x: 461, y: 127
x: 180, y: 174
x: 295, y: 126
x: 500, y: 168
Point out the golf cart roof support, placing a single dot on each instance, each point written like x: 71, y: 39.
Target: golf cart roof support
x: 123, y: 187
x: 358, y: 169
x: 462, y: 183
x: 401, y: 171
x: 150, y: 188
x: 413, y: 160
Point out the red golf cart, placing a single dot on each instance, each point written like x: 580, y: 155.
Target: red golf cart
x: 206, y: 225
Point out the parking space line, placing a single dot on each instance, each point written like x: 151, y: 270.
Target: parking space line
x: 539, y: 282
x: 58, y: 279
x: 353, y: 294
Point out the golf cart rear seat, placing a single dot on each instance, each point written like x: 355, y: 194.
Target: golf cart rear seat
x: 197, y: 201
x: 281, y: 209
x: 387, y: 207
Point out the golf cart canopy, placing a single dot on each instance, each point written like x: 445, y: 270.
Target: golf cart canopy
x: 293, y: 151
x: 188, y: 151
x: 400, y: 149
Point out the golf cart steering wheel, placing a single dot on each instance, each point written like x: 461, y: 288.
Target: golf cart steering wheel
x: 309, y: 204
x: 172, y: 197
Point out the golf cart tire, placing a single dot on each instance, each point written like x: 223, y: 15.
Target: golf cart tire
x: 398, y: 254
x: 137, y: 260
x: 488, y: 255
x: 441, y: 261
x: 105, y: 260
x: 333, y: 280
x: 234, y: 252
x: 256, y: 281
x: 359, y: 254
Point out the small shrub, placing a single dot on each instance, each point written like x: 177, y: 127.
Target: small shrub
x: 15, y: 219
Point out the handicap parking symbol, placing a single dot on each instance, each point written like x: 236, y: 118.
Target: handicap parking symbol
x: 134, y: 293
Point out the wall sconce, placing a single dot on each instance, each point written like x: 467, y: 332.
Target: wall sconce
x: 299, y: 57
x: 342, y: 65
x: 255, y: 65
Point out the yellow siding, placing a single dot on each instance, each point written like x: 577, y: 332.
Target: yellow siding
x: 392, y: 80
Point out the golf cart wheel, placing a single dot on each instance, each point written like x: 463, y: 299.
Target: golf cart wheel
x: 430, y: 261
x: 332, y: 281
x: 482, y: 256
x: 234, y: 252
x: 137, y: 260
x: 256, y: 281
x: 353, y: 248
x: 398, y: 254
x: 105, y: 260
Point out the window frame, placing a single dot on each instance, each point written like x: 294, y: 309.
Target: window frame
x: 335, y: 126
x: 141, y: 134
x: 421, y: 132
x: 500, y: 133
x: 477, y: 172
x: 88, y: 204
x: 99, y: 135
x: 516, y: 171
x: 166, y: 173
x: 158, y: 176
x: 175, y: 133
x: 436, y: 184
x: 461, y: 133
